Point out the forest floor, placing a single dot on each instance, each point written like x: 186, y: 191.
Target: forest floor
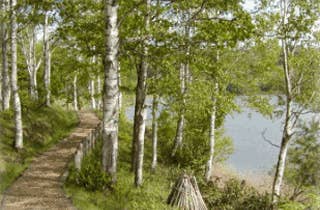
x: 41, y: 184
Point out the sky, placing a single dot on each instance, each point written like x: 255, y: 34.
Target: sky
x: 249, y: 4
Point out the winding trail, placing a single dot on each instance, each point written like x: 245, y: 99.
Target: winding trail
x: 40, y: 186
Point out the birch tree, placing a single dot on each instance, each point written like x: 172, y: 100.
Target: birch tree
x: 184, y: 73
x: 110, y: 89
x: 140, y: 106
x: 6, y: 89
x: 47, y: 59
x: 75, y: 92
x: 28, y: 44
x: 92, y: 93
x: 212, y: 136
x: 155, y: 104
x: 14, y: 78
x: 296, y: 22
x: 99, y: 101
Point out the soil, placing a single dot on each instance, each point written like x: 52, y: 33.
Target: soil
x: 41, y: 185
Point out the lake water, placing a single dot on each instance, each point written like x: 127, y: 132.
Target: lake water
x: 252, y: 154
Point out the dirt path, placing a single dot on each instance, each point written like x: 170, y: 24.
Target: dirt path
x: 40, y: 186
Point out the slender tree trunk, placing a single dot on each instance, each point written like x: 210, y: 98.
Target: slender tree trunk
x: 120, y: 94
x: 209, y: 169
x: 75, y: 93
x: 111, y: 90
x: 99, y: 103
x: 6, y: 89
x: 33, y: 85
x: 139, y: 123
x: 92, y: 94
x: 287, y: 132
x: 140, y: 108
x: 180, y: 125
x: 14, y: 79
x: 29, y: 51
x: 35, y: 67
x: 47, y: 60
x: 154, y: 132
x: 184, y: 79
x: 288, y: 124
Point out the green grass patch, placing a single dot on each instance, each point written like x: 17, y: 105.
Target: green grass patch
x: 42, y: 127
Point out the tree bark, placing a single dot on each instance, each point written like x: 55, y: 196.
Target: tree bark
x: 14, y: 79
x: 154, y: 132
x: 287, y: 132
x: 47, y: 60
x: 209, y: 169
x: 75, y: 93
x: 111, y: 90
x: 28, y: 49
x: 180, y: 124
x: 288, y: 124
x: 92, y: 94
x: 99, y: 102
x: 184, y: 79
x: 6, y: 89
x: 140, y: 108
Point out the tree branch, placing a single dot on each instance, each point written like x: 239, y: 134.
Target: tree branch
x: 268, y: 140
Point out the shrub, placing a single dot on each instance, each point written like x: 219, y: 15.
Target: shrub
x: 234, y: 196
x: 91, y: 176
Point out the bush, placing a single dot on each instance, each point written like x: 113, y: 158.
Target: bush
x: 91, y: 177
x: 234, y: 196
x: 195, y: 151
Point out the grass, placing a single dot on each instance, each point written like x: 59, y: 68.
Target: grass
x: 43, y: 127
x: 152, y: 195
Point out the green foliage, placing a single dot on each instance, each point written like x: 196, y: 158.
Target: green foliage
x: 304, y: 157
x: 302, y: 171
x: 310, y: 200
x: 90, y: 177
x: 195, y: 150
x: 235, y: 195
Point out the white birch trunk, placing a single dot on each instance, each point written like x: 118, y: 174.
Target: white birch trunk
x: 111, y: 90
x: 120, y: 94
x: 99, y: 103
x: 141, y: 109
x: 209, y: 169
x: 180, y: 125
x: 47, y: 60
x: 185, y: 77
x: 14, y: 79
x: 28, y: 49
x: 288, y: 124
x: 287, y: 133
x: 92, y: 94
x: 154, y: 132
x: 6, y: 89
x: 75, y: 93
